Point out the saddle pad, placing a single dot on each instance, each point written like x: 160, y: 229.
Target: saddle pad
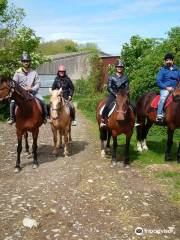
x: 110, y: 112
x: 155, y: 101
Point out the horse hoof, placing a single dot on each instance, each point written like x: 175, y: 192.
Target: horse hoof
x: 113, y: 164
x: 35, y: 166
x: 29, y: 155
x: 126, y: 166
x: 17, y: 169
x: 178, y: 160
x: 139, y: 149
x: 168, y: 158
x: 54, y: 152
x: 103, y: 154
x: 145, y: 148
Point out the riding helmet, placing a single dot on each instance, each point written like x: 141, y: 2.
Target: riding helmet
x: 25, y: 57
x: 119, y: 63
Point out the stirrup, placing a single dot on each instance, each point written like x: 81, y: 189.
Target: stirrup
x: 10, y: 121
x: 159, y: 119
x: 74, y: 123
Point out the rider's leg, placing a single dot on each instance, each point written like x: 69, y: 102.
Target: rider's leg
x: 11, y: 119
x: 43, y: 104
x: 105, y: 111
x: 73, y: 113
x: 163, y: 95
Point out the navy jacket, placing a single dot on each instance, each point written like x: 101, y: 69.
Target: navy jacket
x: 168, y: 78
x: 66, y: 84
x: 115, y: 83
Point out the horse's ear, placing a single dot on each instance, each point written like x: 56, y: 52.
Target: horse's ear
x: 50, y: 90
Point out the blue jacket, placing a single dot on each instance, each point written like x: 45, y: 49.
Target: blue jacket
x: 168, y: 78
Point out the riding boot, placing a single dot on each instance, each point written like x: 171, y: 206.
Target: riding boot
x: 11, y: 119
x: 45, y: 112
x: 72, y: 113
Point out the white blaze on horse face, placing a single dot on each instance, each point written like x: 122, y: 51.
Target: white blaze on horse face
x: 55, y: 104
x: 60, y: 91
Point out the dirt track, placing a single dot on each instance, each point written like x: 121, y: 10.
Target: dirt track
x: 79, y: 197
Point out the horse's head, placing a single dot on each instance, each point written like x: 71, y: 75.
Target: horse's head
x: 122, y: 101
x: 5, y: 87
x: 176, y: 94
x: 56, y: 101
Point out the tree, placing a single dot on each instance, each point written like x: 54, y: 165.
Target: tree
x: 16, y: 39
x: 144, y: 58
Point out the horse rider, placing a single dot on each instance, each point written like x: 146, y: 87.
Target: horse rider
x: 167, y: 80
x: 115, y: 82
x: 63, y: 81
x: 29, y: 80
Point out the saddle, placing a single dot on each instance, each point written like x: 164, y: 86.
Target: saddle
x: 110, y: 109
x: 155, y: 101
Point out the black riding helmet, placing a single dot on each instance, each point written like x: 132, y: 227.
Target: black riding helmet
x: 25, y: 57
x: 119, y: 63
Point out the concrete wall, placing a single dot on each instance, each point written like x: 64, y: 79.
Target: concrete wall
x: 77, y: 65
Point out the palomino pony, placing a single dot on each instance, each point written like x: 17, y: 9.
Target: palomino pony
x: 28, y: 116
x: 60, y: 120
x: 121, y: 121
x: 146, y: 116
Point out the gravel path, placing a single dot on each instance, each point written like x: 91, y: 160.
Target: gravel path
x: 79, y: 197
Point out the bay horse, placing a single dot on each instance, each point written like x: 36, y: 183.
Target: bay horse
x: 121, y: 121
x: 60, y: 120
x: 28, y: 116
x: 146, y: 117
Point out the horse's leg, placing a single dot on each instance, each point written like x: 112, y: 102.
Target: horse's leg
x: 66, y: 152
x: 19, y: 150
x: 169, y: 144
x: 140, y: 130
x: 103, y: 137
x: 34, y: 147
x: 113, y: 151
x: 54, y: 131
x: 145, y: 133
x: 70, y: 138
x: 108, y: 140
x: 26, y: 143
x: 60, y: 145
x: 178, y: 154
x: 126, y: 150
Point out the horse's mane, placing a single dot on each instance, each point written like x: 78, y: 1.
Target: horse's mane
x: 122, y: 92
x: 21, y: 91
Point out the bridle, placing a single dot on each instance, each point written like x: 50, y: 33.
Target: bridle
x: 12, y: 88
x: 56, y: 109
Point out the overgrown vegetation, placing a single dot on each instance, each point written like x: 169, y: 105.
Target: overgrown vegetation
x: 143, y: 58
x: 65, y: 46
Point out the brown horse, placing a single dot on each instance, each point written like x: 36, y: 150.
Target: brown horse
x: 28, y: 116
x: 146, y: 116
x: 60, y: 120
x: 120, y: 122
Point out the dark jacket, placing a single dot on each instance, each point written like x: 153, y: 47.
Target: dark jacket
x: 168, y: 78
x: 115, y: 83
x: 66, y: 84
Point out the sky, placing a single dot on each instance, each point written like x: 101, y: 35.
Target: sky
x: 108, y: 23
